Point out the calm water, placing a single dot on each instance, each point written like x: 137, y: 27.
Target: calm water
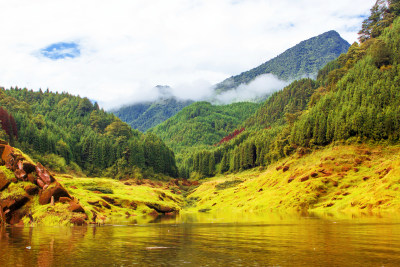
x: 207, y: 241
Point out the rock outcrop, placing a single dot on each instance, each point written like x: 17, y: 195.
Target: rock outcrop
x: 12, y: 207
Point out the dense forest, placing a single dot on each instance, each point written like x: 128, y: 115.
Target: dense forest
x: 354, y: 98
x: 145, y: 115
x: 69, y: 133
x: 302, y: 60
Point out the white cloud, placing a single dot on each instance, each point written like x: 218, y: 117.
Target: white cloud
x: 128, y: 47
x: 261, y: 86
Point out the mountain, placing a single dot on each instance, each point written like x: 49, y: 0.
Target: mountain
x: 202, y: 124
x: 303, y: 60
x: 355, y: 99
x: 145, y: 115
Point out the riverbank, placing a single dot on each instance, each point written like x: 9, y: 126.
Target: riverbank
x: 349, y: 179
x: 339, y: 178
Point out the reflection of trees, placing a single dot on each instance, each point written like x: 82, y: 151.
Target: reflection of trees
x: 282, y: 240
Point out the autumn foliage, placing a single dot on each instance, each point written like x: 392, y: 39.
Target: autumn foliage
x: 8, y: 123
x: 230, y: 136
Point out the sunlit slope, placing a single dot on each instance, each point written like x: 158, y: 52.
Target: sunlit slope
x: 337, y: 178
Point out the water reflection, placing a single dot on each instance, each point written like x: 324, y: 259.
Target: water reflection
x: 210, y: 240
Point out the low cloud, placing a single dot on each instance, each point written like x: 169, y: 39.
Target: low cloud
x: 260, y: 87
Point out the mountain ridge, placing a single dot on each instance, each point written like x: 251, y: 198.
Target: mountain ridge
x: 329, y: 46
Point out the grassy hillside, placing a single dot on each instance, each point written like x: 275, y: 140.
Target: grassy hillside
x: 304, y: 59
x: 352, y: 178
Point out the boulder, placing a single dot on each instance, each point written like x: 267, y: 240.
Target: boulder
x: 20, y: 174
x: 285, y: 169
x: 305, y: 178
x: 43, y: 174
x: 40, y: 183
x: 64, y: 199
x: 26, y: 166
x: 4, y: 181
x: 109, y: 199
x: 8, y: 156
x: 31, y: 190
x: 56, y: 191
x: 161, y: 208
x: 31, y: 178
x: 104, y: 204
x: 10, y: 206
x: 76, y: 207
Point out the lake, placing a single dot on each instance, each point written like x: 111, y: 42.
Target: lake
x: 210, y: 240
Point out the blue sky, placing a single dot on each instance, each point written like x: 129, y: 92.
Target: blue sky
x: 115, y: 52
x: 61, y: 51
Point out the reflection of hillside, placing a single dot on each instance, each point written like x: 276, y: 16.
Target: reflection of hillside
x: 200, y: 240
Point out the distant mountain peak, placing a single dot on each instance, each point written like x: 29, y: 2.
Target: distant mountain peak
x: 164, y: 91
x: 302, y: 60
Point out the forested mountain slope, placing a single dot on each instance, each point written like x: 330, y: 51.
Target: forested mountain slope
x: 68, y: 132
x: 202, y: 124
x: 355, y: 99
x: 302, y: 60
x: 145, y: 115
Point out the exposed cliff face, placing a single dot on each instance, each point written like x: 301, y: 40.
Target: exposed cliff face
x: 22, y: 180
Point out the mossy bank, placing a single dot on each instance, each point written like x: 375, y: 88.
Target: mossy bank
x: 345, y: 178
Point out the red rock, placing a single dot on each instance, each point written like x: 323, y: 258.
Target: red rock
x: 10, y: 209
x: 56, y: 191
x: 134, y: 205
x: 78, y: 220
x: 7, y: 156
x: 4, y: 182
x: 31, y: 178
x: 195, y: 183
x: 105, y: 205
x: 75, y: 207
x: 95, y: 203
x: 285, y: 169
x: 64, y: 199
x: 108, y: 199
x: 365, y: 178
x: 40, y: 183
x: 305, y: 178
x: 314, y: 174
x: 127, y: 183
x: 44, y: 174
x: 290, y: 180
x: 279, y: 168
x: 20, y: 174
x: 160, y: 208
x: 153, y: 213
x: 26, y: 166
x: 31, y: 189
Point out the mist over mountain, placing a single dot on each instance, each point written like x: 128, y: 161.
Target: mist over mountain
x: 301, y: 61
x: 145, y: 115
x: 255, y: 85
